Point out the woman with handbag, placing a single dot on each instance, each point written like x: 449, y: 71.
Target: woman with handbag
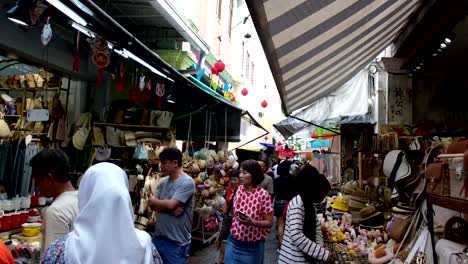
x: 222, y: 237
x: 303, y: 240
x: 252, y: 217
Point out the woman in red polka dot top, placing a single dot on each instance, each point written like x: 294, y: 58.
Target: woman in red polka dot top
x: 253, y: 216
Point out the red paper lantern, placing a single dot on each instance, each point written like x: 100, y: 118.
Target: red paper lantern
x: 244, y: 92
x: 220, y: 66
x: 214, y: 71
x: 264, y: 104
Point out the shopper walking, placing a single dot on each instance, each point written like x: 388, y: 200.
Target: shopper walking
x: 283, y: 192
x: 174, y: 203
x: 233, y: 184
x: 303, y: 239
x: 103, y: 230
x: 253, y: 216
x: 50, y: 171
x: 267, y: 182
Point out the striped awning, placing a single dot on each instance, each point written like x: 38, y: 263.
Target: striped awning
x: 314, y: 46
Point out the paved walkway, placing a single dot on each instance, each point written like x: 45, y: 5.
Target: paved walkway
x: 207, y: 254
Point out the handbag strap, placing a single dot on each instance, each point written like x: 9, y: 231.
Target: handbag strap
x: 231, y: 202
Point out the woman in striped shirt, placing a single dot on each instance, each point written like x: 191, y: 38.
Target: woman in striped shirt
x: 303, y: 240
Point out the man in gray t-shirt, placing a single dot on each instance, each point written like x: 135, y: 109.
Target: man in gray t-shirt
x: 174, y: 203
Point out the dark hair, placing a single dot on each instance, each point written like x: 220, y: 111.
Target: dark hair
x: 234, y: 173
x: 54, y: 162
x: 252, y: 167
x: 172, y: 154
x: 311, y: 186
x: 284, y: 168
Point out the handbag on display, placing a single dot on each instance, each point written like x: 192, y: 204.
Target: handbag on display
x: 227, y: 220
x: 98, y: 136
x: 4, y: 129
x: 81, y: 135
x: 399, y: 227
x: 438, y: 176
x: 103, y: 153
x: 113, y: 136
x: 141, y: 153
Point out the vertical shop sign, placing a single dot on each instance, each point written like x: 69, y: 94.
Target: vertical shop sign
x: 400, y: 110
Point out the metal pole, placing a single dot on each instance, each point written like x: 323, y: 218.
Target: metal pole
x: 310, y: 123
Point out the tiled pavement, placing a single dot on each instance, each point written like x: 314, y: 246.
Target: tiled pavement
x: 207, y: 254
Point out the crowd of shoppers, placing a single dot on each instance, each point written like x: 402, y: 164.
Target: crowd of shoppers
x: 100, y: 213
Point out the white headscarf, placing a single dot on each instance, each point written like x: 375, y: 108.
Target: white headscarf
x: 103, y: 230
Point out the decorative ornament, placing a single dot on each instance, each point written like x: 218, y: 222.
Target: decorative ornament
x: 76, y: 55
x: 121, y: 83
x: 214, y: 81
x: 142, y: 83
x: 220, y: 66
x: 264, y: 104
x: 159, y: 92
x: 214, y: 71
x: 227, y: 86
x: 245, y: 92
x: 133, y: 93
x: 100, y: 56
x: 145, y: 95
x: 46, y: 35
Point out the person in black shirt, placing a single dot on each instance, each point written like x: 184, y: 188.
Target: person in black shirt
x: 283, y: 192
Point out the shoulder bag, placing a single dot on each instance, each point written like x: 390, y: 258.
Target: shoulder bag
x: 227, y: 220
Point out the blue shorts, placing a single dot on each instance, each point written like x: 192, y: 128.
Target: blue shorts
x: 241, y: 252
x: 171, y: 252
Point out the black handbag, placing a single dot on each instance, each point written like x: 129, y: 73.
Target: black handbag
x: 227, y: 220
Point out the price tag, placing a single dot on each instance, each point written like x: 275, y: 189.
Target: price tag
x: 37, y: 115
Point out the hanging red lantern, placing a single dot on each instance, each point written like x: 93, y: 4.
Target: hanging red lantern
x: 244, y: 92
x: 264, y: 104
x: 214, y: 71
x: 220, y: 66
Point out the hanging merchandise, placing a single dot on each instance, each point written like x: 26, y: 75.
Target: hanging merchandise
x: 81, y: 135
x: 101, y: 57
x: 76, y: 54
x: 133, y: 94
x: 159, y: 92
x: 46, y: 35
x: 141, y: 84
x: 121, y: 81
x: 145, y: 95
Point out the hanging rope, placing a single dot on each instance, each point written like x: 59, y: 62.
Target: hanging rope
x: 189, y: 134
x: 225, y: 128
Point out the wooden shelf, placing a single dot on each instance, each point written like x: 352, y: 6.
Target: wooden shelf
x: 33, y: 89
x: 455, y: 204
x: 133, y: 127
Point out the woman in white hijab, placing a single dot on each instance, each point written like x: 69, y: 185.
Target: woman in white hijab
x: 103, y: 230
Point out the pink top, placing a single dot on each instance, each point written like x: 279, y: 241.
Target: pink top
x: 256, y: 204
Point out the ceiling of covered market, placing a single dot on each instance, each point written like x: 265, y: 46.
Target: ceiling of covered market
x: 143, y: 20
x: 455, y: 59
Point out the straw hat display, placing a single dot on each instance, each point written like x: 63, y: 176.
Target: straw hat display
x: 370, y: 216
x: 340, y: 204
